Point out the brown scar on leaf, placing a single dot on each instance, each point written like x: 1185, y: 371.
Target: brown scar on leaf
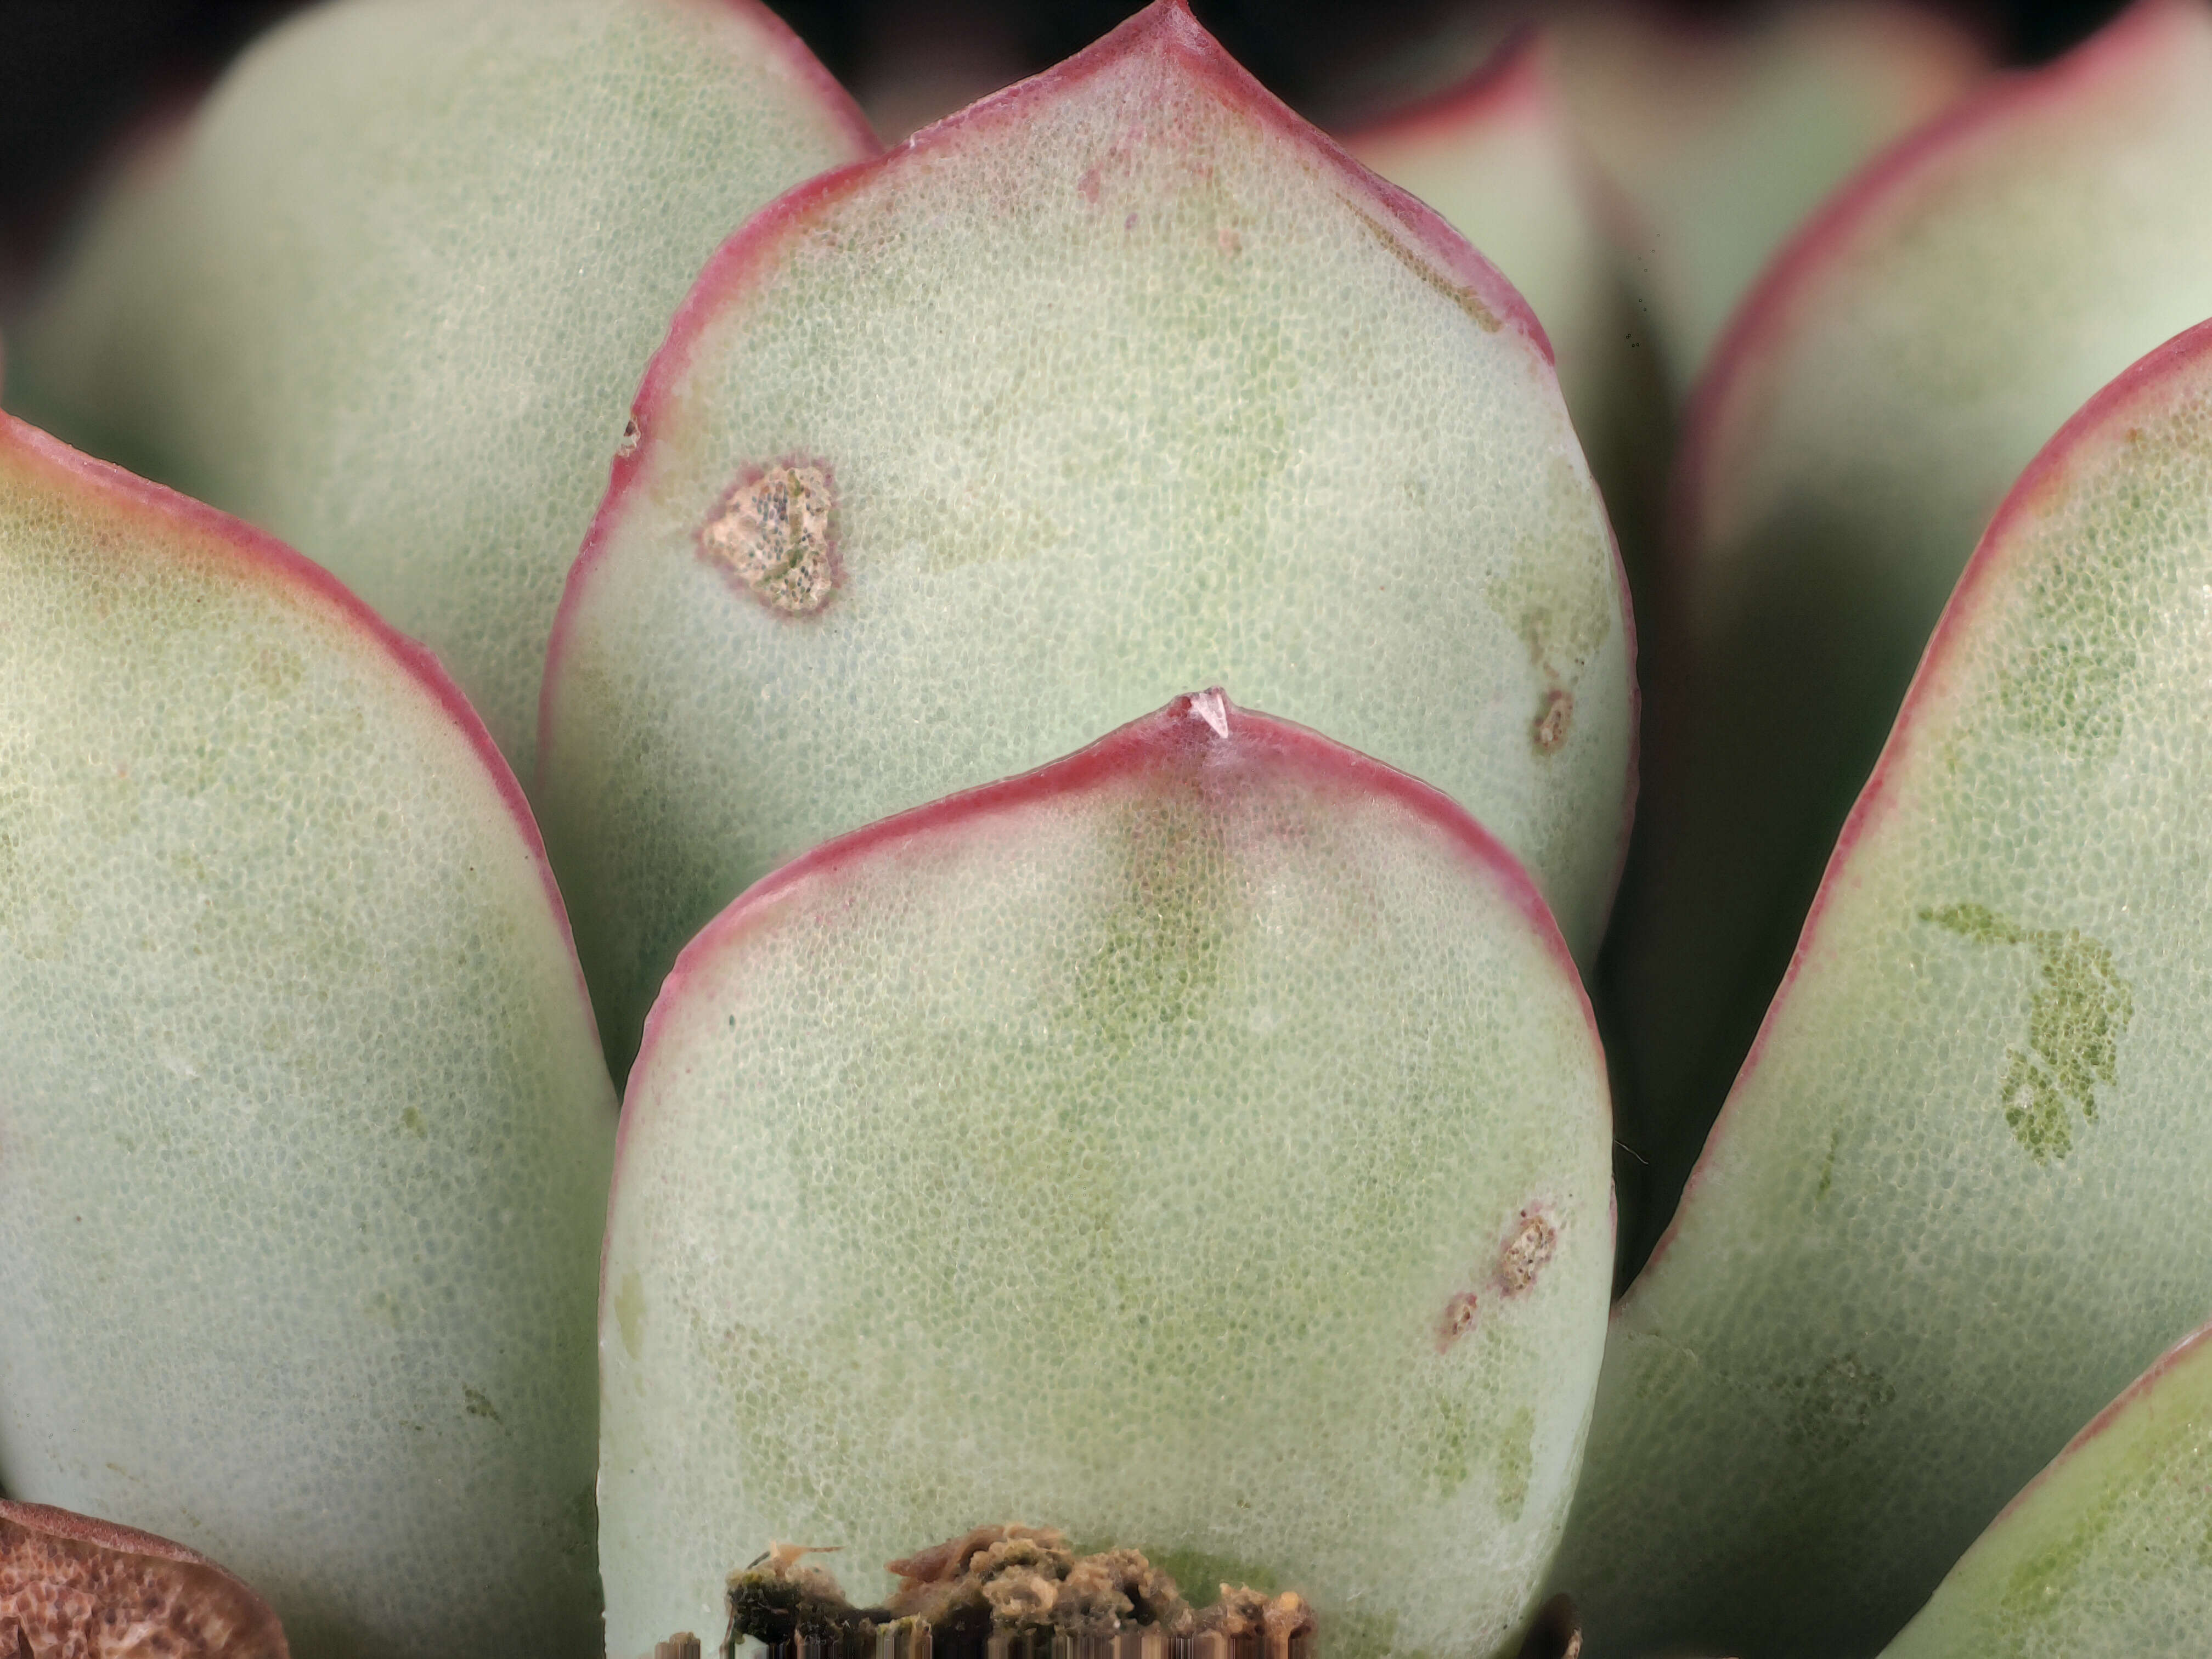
x: 73, y: 1585
x: 1532, y: 1244
x: 627, y: 447
x: 772, y: 535
x: 1551, y: 725
x: 1465, y: 298
x: 1459, y: 1319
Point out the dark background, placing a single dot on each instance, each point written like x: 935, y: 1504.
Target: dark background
x: 75, y: 72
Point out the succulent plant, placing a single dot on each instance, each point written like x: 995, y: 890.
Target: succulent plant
x: 1122, y: 381
x: 1887, y: 379
x: 386, y: 294
x: 1709, y: 140
x: 1956, y: 1199
x: 1496, y: 154
x: 1200, y: 1142
x: 2103, y: 1552
x: 1192, y: 1150
x: 306, y: 1129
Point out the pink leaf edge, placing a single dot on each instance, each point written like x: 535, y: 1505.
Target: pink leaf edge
x: 1193, y: 726
x: 1165, y: 30
x: 261, y: 556
x: 2150, y: 379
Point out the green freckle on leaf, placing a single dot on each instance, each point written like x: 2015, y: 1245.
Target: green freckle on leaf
x: 480, y: 1406
x: 411, y: 1121
x: 1828, y: 1165
x: 1451, y: 1466
x: 2075, y: 1016
x: 1516, y: 1463
x: 1976, y: 922
x: 1830, y: 1408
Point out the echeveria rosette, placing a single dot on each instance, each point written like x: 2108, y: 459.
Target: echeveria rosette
x: 1200, y: 1143
x: 2103, y: 1555
x: 306, y: 1127
x: 1888, y: 379
x: 389, y: 291
x: 1956, y: 1200
x: 1122, y: 381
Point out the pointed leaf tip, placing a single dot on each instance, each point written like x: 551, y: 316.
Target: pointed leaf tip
x: 1116, y: 494
x: 936, y: 1140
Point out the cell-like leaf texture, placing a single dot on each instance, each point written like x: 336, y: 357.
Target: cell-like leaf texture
x: 1919, y: 343
x: 388, y: 293
x: 1122, y: 381
x: 304, y: 1130
x: 1956, y: 1200
x: 1198, y: 1144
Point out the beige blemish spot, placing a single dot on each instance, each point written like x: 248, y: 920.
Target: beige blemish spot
x: 1551, y: 728
x: 772, y: 534
x: 627, y: 447
x: 1532, y: 1244
x: 1459, y: 1319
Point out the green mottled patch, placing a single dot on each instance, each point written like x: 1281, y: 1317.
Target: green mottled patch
x: 411, y: 1121
x: 2050, y: 1573
x: 2069, y: 687
x: 1828, y: 1166
x: 2080, y: 1007
x: 1165, y: 943
x: 1516, y: 1462
x: 1828, y: 1409
x: 479, y: 1404
x: 1977, y: 922
x: 1454, y: 1444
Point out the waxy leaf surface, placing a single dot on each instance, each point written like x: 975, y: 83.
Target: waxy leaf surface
x: 306, y: 1128
x: 2105, y: 1555
x: 1198, y: 1144
x: 1496, y: 157
x: 1916, y: 346
x: 1957, y: 1199
x: 389, y: 295
x: 1122, y: 381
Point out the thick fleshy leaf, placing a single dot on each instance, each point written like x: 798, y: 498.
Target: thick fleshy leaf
x: 306, y: 1130
x: 1895, y: 372
x: 1957, y: 1199
x: 1715, y: 141
x: 388, y: 297
x: 1198, y: 1144
x: 2104, y: 1556
x: 1122, y: 381
x: 75, y: 1586
x: 1494, y: 156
